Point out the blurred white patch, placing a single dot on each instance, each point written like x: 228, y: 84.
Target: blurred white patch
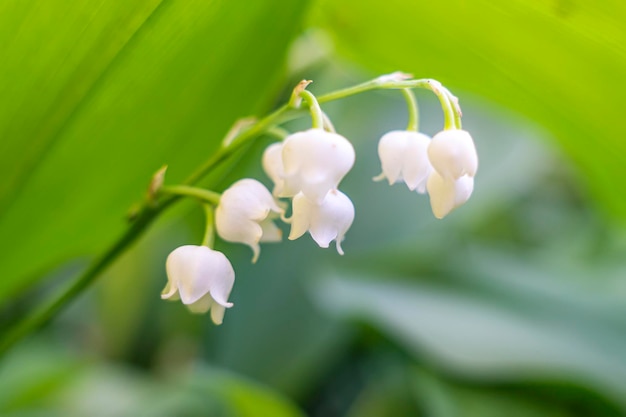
x: 310, y: 48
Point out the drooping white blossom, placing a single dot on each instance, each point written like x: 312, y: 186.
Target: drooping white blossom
x: 201, y: 278
x: 244, y: 215
x: 314, y: 162
x: 452, y: 154
x: 327, y: 221
x: 404, y: 157
x: 273, y: 166
x: 448, y: 194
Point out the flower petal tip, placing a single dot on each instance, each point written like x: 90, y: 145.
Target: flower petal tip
x: 339, y: 248
x: 256, y: 252
x: 379, y: 177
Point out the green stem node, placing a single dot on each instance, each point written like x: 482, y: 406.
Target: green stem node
x: 317, y: 116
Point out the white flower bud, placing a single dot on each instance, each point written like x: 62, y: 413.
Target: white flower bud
x: 327, y: 221
x: 314, y: 162
x: 404, y: 157
x: 446, y: 195
x: 244, y: 215
x: 452, y: 154
x: 201, y: 278
x: 273, y: 166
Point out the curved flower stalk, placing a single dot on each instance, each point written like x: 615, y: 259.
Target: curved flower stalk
x: 404, y: 158
x: 314, y: 162
x: 244, y: 215
x: 327, y: 221
x: 201, y: 278
x: 446, y: 195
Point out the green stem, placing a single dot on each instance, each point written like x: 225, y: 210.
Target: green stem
x: 317, y: 116
x: 350, y: 91
x: 385, y: 83
x: 455, y: 105
x: 446, y: 105
x: 243, y: 138
x: 376, y: 84
x: 209, y: 232
x: 411, y: 103
x: 201, y: 194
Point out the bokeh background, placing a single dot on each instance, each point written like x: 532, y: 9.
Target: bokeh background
x: 515, y: 304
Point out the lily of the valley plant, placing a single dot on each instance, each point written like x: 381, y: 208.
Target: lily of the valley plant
x: 306, y: 169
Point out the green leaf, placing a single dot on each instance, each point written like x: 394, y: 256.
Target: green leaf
x: 245, y: 398
x: 559, y: 64
x: 34, y: 375
x: 45, y: 377
x: 96, y: 96
x: 441, y: 399
x: 471, y: 333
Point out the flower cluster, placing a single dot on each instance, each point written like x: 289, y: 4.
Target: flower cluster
x: 444, y: 165
x: 306, y: 168
x: 202, y: 278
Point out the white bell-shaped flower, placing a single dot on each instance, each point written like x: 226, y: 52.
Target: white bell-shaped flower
x: 327, y: 221
x: 446, y: 195
x: 404, y: 157
x: 452, y: 154
x: 314, y: 162
x: 201, y: 278
x: 273, y: 166
x: 244, y: 215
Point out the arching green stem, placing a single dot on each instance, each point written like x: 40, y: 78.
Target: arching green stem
x: 454, y: 101
x: 412, y: 108
x: 391, y: 83
x: 317, y: 116
x: 380, y: 83
x: 246, y: 136
x: 446, y: 105
x: 209, y: 231
x: 201, y: 194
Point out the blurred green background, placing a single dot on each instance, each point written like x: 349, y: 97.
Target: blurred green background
x: 514, y: 304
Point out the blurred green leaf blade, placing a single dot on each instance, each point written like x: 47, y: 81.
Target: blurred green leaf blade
x: 469, y: 335
x: 43, y: 378
x: 176, y: 77
x: 47, y: 72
